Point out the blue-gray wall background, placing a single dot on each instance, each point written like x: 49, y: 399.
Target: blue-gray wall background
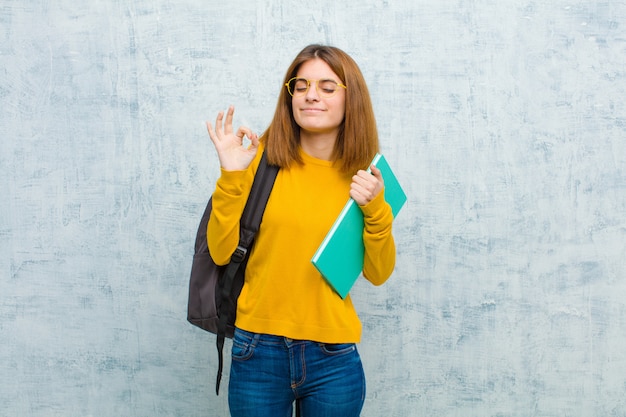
x: 504, y: 120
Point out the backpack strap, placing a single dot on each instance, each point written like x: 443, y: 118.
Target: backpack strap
x: 248, y: 227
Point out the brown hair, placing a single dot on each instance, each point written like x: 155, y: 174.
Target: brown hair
x: 357, y: 141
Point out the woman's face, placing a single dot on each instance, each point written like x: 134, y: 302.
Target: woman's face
x: 318, y: 111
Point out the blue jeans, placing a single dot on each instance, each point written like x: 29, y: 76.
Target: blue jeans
x: 268, y: 373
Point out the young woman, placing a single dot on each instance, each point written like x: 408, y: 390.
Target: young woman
x: 295, y: 337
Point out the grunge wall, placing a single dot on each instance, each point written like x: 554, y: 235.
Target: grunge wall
x: 504, y: 120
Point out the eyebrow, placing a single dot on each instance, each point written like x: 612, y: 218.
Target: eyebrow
x: 317, y: 79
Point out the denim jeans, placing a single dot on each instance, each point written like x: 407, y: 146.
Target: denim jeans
x: 268, y: 373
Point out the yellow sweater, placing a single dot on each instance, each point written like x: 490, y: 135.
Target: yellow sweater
x: 283, y: 293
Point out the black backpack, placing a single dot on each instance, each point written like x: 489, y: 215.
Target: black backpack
x: 213, y: 289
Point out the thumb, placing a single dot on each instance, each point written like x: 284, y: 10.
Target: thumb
x: 376, y: 172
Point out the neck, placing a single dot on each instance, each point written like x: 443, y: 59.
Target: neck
x: 318, y: 145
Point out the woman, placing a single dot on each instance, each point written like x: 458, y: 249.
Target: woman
x: 295, y: 337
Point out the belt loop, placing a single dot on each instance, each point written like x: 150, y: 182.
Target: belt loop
x: 255, y: 339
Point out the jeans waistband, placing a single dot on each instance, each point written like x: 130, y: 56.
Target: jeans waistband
x: 268, y: 339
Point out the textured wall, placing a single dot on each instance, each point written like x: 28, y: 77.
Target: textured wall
x: 505, y: 121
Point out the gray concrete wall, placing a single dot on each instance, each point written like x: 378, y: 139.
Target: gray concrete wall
x: 504, y: 121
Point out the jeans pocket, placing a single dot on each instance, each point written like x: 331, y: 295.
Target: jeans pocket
x: 337, y: 349
x: 242, y: 349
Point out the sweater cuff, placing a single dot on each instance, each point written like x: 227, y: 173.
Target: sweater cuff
x: 231, y: 182
x: 376, y: 209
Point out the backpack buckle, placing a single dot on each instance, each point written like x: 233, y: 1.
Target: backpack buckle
x: 239, y: 254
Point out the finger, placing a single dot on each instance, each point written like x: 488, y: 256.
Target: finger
x: 254, y: 142
x: 358, y: 197
x: 228, y: 128
x: 218, y: 121
x: 363, y: 178
x: 212, y: 134
x: 244, y: 131
x: 362, y: 191
x: 368, y: 188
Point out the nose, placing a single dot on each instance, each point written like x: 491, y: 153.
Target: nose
x: 311, y: 93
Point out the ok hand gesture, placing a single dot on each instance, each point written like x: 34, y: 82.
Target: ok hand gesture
x: 232, y: 154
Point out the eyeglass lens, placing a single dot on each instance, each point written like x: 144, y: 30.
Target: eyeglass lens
x: 299, y: 86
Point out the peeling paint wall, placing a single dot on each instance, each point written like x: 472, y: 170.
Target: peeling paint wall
x: 505, y: 122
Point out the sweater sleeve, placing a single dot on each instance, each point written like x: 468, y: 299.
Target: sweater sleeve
x: 228, y: 201
x: 380, y: 248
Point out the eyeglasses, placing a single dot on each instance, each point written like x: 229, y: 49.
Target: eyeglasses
x: 325, y: 88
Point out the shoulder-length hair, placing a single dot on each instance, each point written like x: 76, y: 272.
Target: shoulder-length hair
x: 357, y: 141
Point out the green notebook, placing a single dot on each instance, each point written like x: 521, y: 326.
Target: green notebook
x: 339, y: 258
